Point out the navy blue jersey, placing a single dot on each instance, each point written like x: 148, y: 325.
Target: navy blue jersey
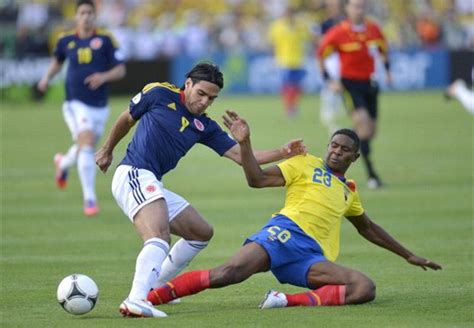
x: 97, y: 53
x: 167, y: 130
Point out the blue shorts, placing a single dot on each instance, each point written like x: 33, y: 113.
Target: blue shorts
x: 293, y: 76
x: 292, y: 252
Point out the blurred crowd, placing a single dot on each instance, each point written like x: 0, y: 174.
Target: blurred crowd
x: 149, y: 29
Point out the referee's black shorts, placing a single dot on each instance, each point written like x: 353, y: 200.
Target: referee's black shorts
x: 361, y: 94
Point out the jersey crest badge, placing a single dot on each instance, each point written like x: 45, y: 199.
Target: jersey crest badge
x: 71, y: 45
x: 198, y: 124
x: 96, y: 43
x: 351, y: 185
x: 150, y: 188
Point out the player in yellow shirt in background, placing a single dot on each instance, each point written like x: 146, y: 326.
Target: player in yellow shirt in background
x: 301, y: 242
x: 289, y: 36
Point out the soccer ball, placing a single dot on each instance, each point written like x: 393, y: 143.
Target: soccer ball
x: 77, y: 294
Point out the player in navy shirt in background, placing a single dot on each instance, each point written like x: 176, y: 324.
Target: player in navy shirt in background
x: 172, y: 121
x: 93, y: 61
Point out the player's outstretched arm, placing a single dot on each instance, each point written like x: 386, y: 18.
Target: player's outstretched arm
x: 256, y: 177
x: 123, y: 124
x: 53, y: 69
x: 292, y: 148
x: 377, y: 235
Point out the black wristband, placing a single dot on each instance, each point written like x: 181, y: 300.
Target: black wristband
x: 387, y: 66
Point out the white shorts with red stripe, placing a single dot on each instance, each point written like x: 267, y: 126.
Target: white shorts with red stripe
x: 134, y: 188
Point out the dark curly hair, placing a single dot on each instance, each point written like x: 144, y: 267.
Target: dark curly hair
x: 206, y: 71
x: 85, y: 2
x: 351, y: 134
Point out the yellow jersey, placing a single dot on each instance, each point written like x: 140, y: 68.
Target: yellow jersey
x: 289, y: 42
x: 316, y: 200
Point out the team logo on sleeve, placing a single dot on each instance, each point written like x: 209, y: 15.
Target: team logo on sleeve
x: 198, y: 124
x: 96, y: 43
x: 137, y: 98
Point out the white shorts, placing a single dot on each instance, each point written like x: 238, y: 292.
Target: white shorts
x: 134, y: 188
x: 80, y: 117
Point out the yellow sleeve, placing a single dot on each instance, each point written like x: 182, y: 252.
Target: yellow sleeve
x: 292, y: 168
x: 356, y: 208
x: 273, y: 33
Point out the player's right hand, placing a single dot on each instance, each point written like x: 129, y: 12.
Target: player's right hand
x: 43, y: 84
x: 423, y: 263
x: 103, y: 159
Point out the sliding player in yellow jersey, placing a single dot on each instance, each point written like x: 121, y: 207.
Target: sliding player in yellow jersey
x: 300, y: 243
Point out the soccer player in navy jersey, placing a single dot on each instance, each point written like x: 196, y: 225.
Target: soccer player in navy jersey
x: 93, y: 60
x: 172, y: 121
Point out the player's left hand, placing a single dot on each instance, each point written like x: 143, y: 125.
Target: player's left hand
x: 94, y: 81
x: 237, y: 126
x: 293, y: 148
x: 423, y: 263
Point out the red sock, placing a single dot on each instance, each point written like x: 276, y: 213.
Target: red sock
x: 286, y: 96
x: 326, y: 295
x: 290, y: 95
x: 186, y: 284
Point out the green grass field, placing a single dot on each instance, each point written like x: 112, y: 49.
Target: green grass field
x: 424, y: 153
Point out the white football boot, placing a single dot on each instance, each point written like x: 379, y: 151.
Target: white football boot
x: 274, y: 299
x: 176, y: 301
x: 140, y: 309
x: 374, y: 183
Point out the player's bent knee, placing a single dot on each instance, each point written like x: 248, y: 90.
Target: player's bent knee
x: 207, y: 233
x: 370, y: 291
x: 360, y: 289
x: 366, y: 291
x: 364, y: 133
x: 86, y: 138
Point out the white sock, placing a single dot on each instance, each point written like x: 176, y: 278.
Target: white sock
x: 148, y: 267
x: 330, y: 104
x: 464, y: 95
x: 179, y: 257
x: 87, y: 170
x: 70, y: 158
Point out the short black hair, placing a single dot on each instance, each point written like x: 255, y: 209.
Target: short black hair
x: 206, y: 71
x: 351, y: 134
x: 85, y: 2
